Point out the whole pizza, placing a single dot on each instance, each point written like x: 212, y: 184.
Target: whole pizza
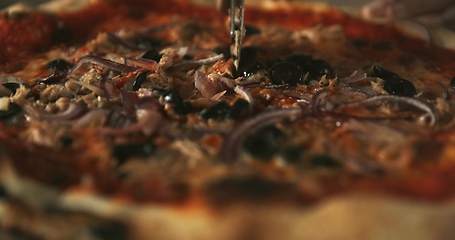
x: 129, y: 120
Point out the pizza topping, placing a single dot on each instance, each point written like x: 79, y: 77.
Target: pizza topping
x: 102, y: 62
x: 58, y: 65
x: 356, y: 77
x: 317, y: 68
x: 264, y: 143
x: 285, y: 73
x: 124, y: 151
x: 400, y: 87
x: 152, y: 54
x: 195, y: 63
x: 452, y: 83
x: 218, y: 111
x: 244, y: 93
x: 232, y: 144
x: 238, y: 109
x: 393, y: 84
x: 139, y: 80
x: 178, y: 104
x: 429, y: 116
x: 383, y: 73
x: 254, y: 69
x: 324, y: 162
x: 73, y: 111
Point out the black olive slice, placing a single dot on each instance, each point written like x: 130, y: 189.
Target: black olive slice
x: 383, y: 73
x: 265, y: 143
x: 324, y: 161
x: 66, y: 141
x: 253, y: 69
x: 178, y: 104
x: 317, y: 68
x: 291, y: 154
x: 399, y: 87
x: 216, y: 112
x: 239, y: 108
x: 452, y: 83
x: 139, y: 80
x: 285, y: 73
x: 13, y: 110
x: 58, y: 65
x: 124, y: 151
x: 152, y: 54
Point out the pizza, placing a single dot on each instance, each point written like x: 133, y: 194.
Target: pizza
x: 128, y: 120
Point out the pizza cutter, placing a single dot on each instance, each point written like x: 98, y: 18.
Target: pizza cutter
x: 237, y: 29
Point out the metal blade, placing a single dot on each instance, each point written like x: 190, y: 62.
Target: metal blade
x: 237, y: 29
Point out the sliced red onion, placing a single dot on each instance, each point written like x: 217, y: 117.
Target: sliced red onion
x: 73, y: 111
x: 367, y: 91
x: 194, y: 52
x: 56, y: 77
x: 142, y: 63
x: 234, y: 141
x: 103, y: 62
x: 129, y: 101
x: 204, y: 85
x: 218, y: 96
x: 93, y: 88
x: 117, y: 120
x: 353, y: 78
x: 149, y: 103
x: 230, y: 83
x: 196, y: 63
x: 245, y: 94
x: 316, y: 100
x: 298, y: 95
x: 111, y: 91
x: 116, y: 39
x: 94, y: 118
x: 249, y: 82
x: 148, y: 122
x: 418, y: 104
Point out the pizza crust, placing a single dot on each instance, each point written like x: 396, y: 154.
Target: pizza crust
x: 436, y: 35
x: 347, y: 216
